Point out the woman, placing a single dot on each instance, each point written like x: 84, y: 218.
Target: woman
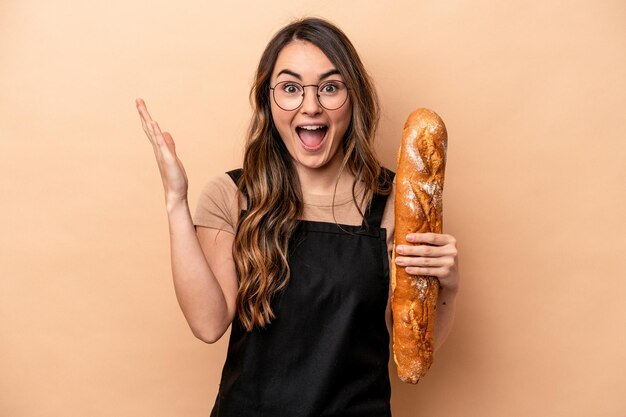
x: 293, y: 250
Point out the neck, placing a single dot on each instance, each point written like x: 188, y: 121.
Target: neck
x: 323, y: 180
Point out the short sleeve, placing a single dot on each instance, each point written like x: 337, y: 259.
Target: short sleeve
x: 218, y: 207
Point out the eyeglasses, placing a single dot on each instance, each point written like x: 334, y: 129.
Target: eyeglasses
x: 289, y: 95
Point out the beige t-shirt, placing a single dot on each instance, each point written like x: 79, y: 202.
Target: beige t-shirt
x: 218, y: 208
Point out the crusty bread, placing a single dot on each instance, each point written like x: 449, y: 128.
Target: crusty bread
x: 418, y: 208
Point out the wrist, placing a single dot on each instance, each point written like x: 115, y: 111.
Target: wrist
x: 175, y: 204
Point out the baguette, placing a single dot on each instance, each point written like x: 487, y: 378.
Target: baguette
x: 418, y: 208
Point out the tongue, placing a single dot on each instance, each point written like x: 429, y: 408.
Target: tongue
x: 312, y: 138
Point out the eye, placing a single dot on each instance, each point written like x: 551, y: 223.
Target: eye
x: 290, y: 88
x: 331, y: 87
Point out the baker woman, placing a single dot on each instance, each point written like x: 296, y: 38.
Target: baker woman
x: 293, y: 249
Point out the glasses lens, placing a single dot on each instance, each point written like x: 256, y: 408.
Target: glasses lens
x: 288, y: 95
x: 332, y: 94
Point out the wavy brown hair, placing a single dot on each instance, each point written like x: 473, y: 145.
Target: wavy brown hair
x: 270, y: 181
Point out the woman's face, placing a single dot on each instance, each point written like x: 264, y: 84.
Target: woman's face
x: 312, y: 134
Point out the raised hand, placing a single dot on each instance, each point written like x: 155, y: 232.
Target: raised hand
x: 172, y: 171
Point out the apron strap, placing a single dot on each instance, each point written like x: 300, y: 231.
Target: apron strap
x: 374, y: 213
x: 235, y: 175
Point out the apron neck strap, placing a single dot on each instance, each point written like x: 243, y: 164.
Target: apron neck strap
x: 374, y: 213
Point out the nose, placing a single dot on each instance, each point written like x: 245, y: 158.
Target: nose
x: 310, y: 103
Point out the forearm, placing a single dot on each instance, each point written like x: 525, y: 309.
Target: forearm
x: 199, y: 293
x: 446, y: 307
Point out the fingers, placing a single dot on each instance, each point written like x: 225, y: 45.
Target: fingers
x: 152, y: 129
x: 424, y: 261
x: 163, y: 140
x: 438, y: 239
x: 438, y: 267
x: 432, y: 254
x: 427, y: 251
x: 439, y: 271
x: 146, y: 120
x: 143, y: 110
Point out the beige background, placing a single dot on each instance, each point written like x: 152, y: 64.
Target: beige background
x: 533, y: 94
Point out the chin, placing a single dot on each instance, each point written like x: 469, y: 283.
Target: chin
x: 311, y: 163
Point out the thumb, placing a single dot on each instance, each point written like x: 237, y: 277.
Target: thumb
x: 169, y: 141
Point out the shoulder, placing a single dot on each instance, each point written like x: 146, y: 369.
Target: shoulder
x: 387, y: 175
x: 387, y: 182
x: 219, y: 203
x: 220, y: 184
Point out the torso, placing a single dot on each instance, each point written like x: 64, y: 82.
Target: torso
x: 327, y: 351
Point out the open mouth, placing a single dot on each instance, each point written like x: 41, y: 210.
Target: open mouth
x: 312, y: 136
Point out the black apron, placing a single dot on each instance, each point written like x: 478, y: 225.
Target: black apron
x: 327, y: 350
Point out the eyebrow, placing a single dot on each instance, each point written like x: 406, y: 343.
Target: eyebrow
x: 298, y: 76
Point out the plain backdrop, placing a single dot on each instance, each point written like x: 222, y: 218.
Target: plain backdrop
x: 533, y: 94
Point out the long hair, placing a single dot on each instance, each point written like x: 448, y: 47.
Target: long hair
x: 270, y: 181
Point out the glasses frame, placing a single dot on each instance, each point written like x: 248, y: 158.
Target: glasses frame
x: 317, y: 91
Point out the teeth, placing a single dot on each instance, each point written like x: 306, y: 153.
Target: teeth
x: 312, y: 127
